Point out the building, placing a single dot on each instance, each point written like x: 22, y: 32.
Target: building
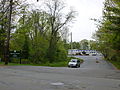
x: 80, y: 52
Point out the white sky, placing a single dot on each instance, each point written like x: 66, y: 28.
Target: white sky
x: 83, y: 27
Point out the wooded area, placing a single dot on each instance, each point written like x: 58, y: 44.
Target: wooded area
x: 37, y: 32
x: 41, y: 34
x: 108, y: 34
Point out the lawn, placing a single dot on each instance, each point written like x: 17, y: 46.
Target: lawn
x: 55, y: 64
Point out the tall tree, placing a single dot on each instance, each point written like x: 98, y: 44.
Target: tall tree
x: 57, y: 22
x: 84, y: 44
x: 10, y: 9
x: 44, y: 30
x: 3, y: 25
x: 8, y: 33
x: 108, y: 34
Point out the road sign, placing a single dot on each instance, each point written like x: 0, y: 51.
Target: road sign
x: 15, y: 54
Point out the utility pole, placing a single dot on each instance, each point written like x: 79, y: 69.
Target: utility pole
x: 71, y: 40
x: 71, y: 43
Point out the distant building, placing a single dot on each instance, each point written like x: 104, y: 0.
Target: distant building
x: 76, y: 51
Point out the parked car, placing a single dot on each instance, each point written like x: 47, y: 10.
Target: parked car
x: 74, y: 63
x: 94, y: 54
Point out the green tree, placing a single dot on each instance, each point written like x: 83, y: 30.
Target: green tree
x: 56, y: 24
x: 8, y: 11
x: 40, y: 33
x: 25, y: 48
x: 108, y: 34
x: 34, y: 25
x: 76, y: 45
x: 3, y: 25
x: 84, y: 44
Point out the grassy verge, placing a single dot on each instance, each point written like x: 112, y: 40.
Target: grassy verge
x: 116, y: 64
x: 55, y: 64
x: 14, y: 64
x: 62, y: 64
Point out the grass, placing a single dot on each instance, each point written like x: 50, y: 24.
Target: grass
x: 115, y: 63
x: 55, y: 64
x: 13, y: 64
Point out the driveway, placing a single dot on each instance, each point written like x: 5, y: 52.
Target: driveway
x: 91, y: 75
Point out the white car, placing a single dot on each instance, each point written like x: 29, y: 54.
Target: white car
x: 74, y: 63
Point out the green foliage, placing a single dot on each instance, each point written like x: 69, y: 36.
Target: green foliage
x: 25, y: 48
x: 93, y: 45
x: 54, y: 64
x: 76, y: 45
x: 61, y: 53
x: 108, y: 34
x: 84, y: 44
x: 38, y: 51
x: 115, y: 63
x: 3, y: 25
x: 57, y: 23
x: 37, y: 33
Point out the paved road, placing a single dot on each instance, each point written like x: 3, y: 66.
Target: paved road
x: 90, y: 76
x: 90, y: 62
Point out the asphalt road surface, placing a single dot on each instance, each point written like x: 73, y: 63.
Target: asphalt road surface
x: 94, y: 74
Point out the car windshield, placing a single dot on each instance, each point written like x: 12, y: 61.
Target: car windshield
x: 74, y: 60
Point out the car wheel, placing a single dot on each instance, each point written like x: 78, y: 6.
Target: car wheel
x: 78, y: 66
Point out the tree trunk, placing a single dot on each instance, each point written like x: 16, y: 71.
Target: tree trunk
x: 8, y: 34
x: 52, y: 47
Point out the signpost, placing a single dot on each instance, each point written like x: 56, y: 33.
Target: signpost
x: 19, y: 54
x: 15, y: 54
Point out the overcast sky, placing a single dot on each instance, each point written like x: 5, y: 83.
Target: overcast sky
x: 83, y: 27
